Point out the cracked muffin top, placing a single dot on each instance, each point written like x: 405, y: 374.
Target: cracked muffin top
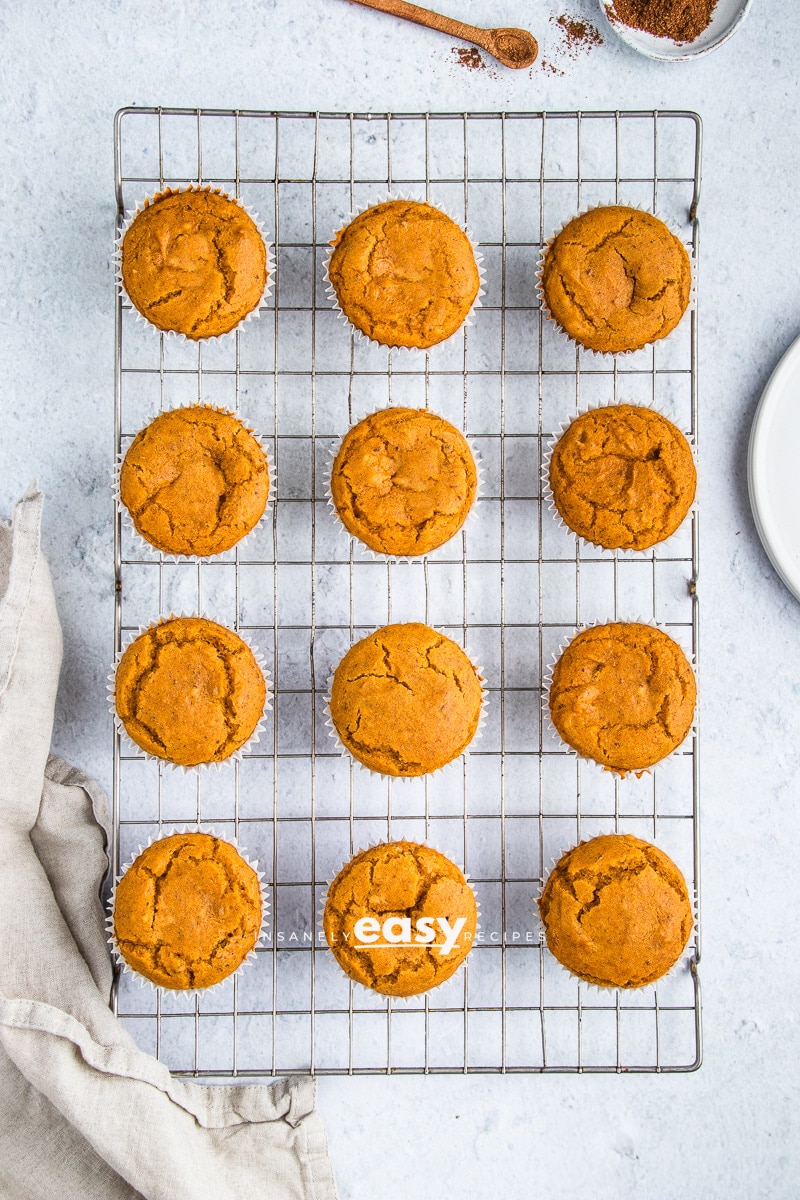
x: 193, y: 262
x: 400, y: 918
x: 406, y: 700
x: 616, y: 911
x: 404, y: 274
x: 194, y: 481
x: 622, y: 477
x: 616, y: 279
x: 403, y: 481
x: 187, y: 912
x: 624, y: 695
x: 189, y: 691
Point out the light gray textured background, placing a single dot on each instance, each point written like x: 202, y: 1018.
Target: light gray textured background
x: 731, y: 1130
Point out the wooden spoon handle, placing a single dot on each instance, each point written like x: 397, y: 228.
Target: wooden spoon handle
x: 433, y: 20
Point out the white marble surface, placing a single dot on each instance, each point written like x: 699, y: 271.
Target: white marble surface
x: 730, y: 1130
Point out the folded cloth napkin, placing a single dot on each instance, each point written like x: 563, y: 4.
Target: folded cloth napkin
x: 83, y: 1112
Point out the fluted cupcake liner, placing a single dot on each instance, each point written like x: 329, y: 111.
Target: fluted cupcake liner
x: 418, y: 997
x: 138, y: 750
x: 412, y: 351
x: 366, y: 551
x: 167, y: 556
x: 345, y: 753
x: 610, y: 355
x: 603, y: 989
x: 148, y: 200
x: 111, y: 938
x: 547, y: 491
x: 548, y: 681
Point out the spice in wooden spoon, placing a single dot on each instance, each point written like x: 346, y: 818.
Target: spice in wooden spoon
x: 511, y: 47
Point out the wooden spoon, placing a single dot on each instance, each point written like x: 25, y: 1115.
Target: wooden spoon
x: 511, y: 47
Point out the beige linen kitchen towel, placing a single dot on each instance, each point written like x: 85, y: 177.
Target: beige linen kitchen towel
x: 83, y: 1113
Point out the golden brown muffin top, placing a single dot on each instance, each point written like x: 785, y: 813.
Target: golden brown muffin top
x: 187, y: 912
x: 403, y: 481
x: 406, y: 700
x: 623, y: 477
x: 616, y: 911
x: 195, y: 481
x: 194, y: 262
x: 404, y: 274
x: 624, y: 695
x: 416, y: 909
x: 616, y: 279
x: 190, y: 691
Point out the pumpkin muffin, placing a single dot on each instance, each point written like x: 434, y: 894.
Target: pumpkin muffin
x: 400, y: 918
x: 622, y: 477
x: 195, y: 481
x: 187, y: 912
x: 189, y: 691
x: 404, y: 274
x: 623, y: 695
x: 194, y: 262
x: 405, y: 700
x: 616, y: 911
x: 616, y: 279
x: 403, y: 481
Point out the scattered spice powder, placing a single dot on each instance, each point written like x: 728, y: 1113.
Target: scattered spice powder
x: 681, y: 20
x: 469, y: 58
x: 579, y: 35
x: 576, y: 36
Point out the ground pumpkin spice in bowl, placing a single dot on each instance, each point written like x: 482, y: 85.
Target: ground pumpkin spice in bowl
x: 681, y: 20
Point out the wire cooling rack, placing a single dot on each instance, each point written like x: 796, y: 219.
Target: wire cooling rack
x: 511, y: 587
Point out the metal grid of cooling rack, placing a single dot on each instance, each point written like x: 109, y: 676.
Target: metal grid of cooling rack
x: 511, y: 587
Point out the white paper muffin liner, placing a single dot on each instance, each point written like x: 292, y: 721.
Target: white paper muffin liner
x: 168, y: 556
x: 146, y: 202
x: 417, y: 997
x: 139, y: 751
x: 604, y: 989
x: 375, y: 555
x: 613, y: 354
x: 547, y: 683
x: 547, y: 491
x: 412, y: 351
x: 111, y: 938
x: 345, y: 753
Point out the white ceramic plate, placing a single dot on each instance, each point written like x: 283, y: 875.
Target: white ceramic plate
x: 727, y: 18
x: 773, y: 468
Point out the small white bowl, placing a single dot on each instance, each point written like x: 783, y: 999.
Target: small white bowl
x: 772, y: 475
x: 726, y: 19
